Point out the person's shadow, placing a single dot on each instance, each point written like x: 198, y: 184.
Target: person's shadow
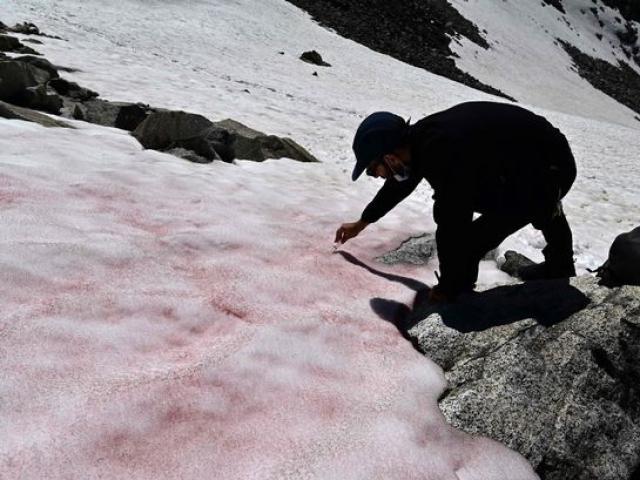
x: 547, y: 301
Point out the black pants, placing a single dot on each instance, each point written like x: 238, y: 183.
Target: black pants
x: 490, y: 230
x: 543, y: 209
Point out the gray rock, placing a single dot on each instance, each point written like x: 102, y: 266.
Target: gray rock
x: 15, y: 78
x: 18, y: 113
x: 41, y: 63
x: 39, y: 98
x: 250, y: 144
x: 540, y: 369
x: 12, y: 44
x: 126, y: 116
x: 3, y: 28
x: 165, y: 130
x: 515, y: 261
x: 72, y: 90
x: 314, y: 58
x: 418, y: 250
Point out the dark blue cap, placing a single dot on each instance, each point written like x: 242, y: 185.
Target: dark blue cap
x: 378, y: 134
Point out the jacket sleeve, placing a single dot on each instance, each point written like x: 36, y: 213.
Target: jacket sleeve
x: 391, y: 194
x: 453, y: 214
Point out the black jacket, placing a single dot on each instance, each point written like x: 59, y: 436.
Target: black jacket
x: 483, y: 157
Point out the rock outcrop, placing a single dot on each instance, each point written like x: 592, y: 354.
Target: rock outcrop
x: 34, y: 82
x: 167, y: 130
x: 549, y: 368
x: 250, y: 144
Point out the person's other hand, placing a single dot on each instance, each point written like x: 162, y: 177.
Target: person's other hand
x: 348, y: 231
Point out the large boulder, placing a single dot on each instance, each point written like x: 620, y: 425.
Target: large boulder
x: 166, y: 130
x: 550, y: 368
x: 126, y: 116
x: 12, y: 44
x: 24, y: 84
x: 19, y: 113
x: 250, y: 144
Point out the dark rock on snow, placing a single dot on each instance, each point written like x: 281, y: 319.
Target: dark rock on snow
x: 12, y: 44
x: 127, y: 116
x: 514, y: 262
x: 18, y: 113
x: 166, y: 130
x: 250, y: 144
x: 314, y: 58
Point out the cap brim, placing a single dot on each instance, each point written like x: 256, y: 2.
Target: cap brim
x: 357, y: 171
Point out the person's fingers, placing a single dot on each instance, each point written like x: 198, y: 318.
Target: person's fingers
x: 340, y: 235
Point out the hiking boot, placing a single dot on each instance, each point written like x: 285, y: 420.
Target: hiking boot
x: 546, y: 271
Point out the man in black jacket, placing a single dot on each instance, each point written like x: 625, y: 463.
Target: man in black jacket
x: 502, y: 161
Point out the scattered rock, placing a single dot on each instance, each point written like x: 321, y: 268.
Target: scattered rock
x: 250, y: 144
x: 166, y: 130
x: 549, y: 368
x: 314, y: 58
x: 620, y: 82
x: 12, y: 44
x: 127, y: 116
x: 18, y: 113
x: 315, y: 74
x: 32, y: 40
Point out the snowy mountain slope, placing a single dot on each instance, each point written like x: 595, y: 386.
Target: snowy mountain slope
x: 526, y: 60
x: 514, y: 47
x: 153, y: 306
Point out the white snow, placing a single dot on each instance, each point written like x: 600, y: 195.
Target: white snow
x: 170, y: 320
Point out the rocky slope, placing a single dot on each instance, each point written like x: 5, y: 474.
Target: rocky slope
x: 549, y: 368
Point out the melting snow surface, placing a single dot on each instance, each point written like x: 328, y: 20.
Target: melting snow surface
x: 163, y: 319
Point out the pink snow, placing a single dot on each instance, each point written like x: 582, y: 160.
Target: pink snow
x: 169, y: 320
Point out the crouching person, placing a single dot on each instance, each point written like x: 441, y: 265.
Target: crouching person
x: 507, y: 164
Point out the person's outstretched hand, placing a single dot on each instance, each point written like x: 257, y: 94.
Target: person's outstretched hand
x: 349, y: 230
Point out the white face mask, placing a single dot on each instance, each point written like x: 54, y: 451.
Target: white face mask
x: 400, y: 176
